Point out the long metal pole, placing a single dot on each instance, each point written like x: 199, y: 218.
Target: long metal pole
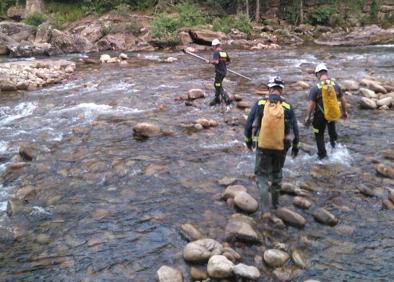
x: 201, y: 58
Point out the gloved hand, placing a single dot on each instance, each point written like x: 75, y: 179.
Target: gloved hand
x: 249, y: 144
x: 307, y: 121
x: 294, y: 151
x: 344, y: 115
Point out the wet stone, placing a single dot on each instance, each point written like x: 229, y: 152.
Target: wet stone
x: 387, y: 204
x: 302, y: 202
x: 231, y: 254
x: 290, y: 217
x: 325, y: 217
x: 201, y: 250
x: 195, y: 94
x: 232, y: 190
x: 191, y: 232
x: 43, y: 239
x: 246, y: 271
x: 275, y: 258
x: 299, y: 258
x: 198, y: 275
x: 6, y: 236
x: 385, y: 170
x: 240, y: 228
x: 368, y: 104
x: 245, y: 202
x: 286, y: 273
x: 366, y: 191
x: 220, y: 267
x: 145, y: 129
x: 14, y: 206
x: 168, y: 274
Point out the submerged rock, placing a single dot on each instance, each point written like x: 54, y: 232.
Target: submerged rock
x: 198, y: 275
x: 365, y: 190
x: 240, y: 228
x: 291, y: 217
x: 275, y: 258
x: 220, y: 267
x: 299, y: 258
x: 387, y: 204
x: 302, y: 202
x: 246, y: 271
x: 226, y: 181
x: 323, y: 216
x: 201, y: 250
x: 168, y: 274
x: 194, y: 94
x: 190, y: 232
x: 145, y: 129
x: 385, y: 171
x: 233, y: 190
x: 368, y: 104
x: 245, y: 202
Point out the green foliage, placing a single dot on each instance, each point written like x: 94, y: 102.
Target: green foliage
x: 190, y: 15
x: 4, y: 5
x: 134, y: 27
x: 321, y: 15
x: 164, y: 25
x: 35, y: 19
x: 373, y: 13
x: 65, y: 13
x: 225, y: 24
x: 106, y: 29
x: 123, y: 10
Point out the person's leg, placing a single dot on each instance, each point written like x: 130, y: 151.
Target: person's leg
x: 319, y: 126
x: 262, y: 172
x: 332, y: 133
x: 278, y: 159
x: 218, y: 87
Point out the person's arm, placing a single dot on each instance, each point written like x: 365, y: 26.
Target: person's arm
x: 228, y: 60
x: 296, y: 140
x: 343, y: 101
x: 249, y: 127
x: 311, y: 107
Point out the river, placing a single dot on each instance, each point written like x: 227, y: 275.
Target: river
x: 108, y: 207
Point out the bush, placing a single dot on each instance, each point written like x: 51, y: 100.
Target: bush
x: 35, y: 19
x: 123, y: 10
x: 225, y: 24
x: 321, y: 16
x: 190, y: 15
x: 164, y: 25
x: 64, y: 13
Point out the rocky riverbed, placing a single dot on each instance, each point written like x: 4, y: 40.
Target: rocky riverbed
x: 124, y: 173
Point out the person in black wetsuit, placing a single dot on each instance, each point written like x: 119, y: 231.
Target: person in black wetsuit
x: 220, y: 59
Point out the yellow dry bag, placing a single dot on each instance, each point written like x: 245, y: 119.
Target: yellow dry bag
x: 330, y: 103
x: 272, y: 130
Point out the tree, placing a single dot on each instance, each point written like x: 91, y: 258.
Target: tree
x: 33, y: 6
x: 257, y: 18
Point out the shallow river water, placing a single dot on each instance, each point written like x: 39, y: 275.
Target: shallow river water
x: 108, y: 207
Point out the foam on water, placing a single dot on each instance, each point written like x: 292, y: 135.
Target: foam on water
x: 3, y: 146
x: 20, y: 111
x: 220, y: 146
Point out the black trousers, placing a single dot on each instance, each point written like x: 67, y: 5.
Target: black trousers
x: 219, y: 91
x: 319, y: 126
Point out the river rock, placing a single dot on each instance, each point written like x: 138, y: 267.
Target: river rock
x: 65, y: 42
x: 275, y: 258
x: 123, y: 56
x: 6, y: 41
x: 232, y: 190
x: 349, y: 85
x: 302, y: 202
x: 323, y: 216
x: 17, y: 31
x: 373, y: 85
x: 226, y: 181
x: 299, y: 258
x: 388, y: 101
x: 387, y: 204
x: 368, y: 93
x: 243, y: 105
x: 28, y: 152
x: 195, y: 94
x: 302, y: 84
x: 239, y: 227
x: 145, y: 129
x: 190, y: 232
x: 198, y: 275
x: 245, y: 202
x: 391, y: 195
x: 168, y: 274
x: 286, y: 274
x: 368, y: 104
x: 201, y: 250
x: 28, y: 49
x: 7, y: 237
x: 246, y: 271
x: 385, y: 171
x: 291, y: 217
x: 104, y: 58
x: 220, y: 267
x: 231, y: 254
x: 365, y: 190
x: 14, y: 206
x: 204, y: 122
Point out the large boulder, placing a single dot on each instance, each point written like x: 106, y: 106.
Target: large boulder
x: 17, y: 31
x: 65, y: 42
x: 245, y: 271
x: 290, y: 217
x: 324, y: 216
x: 275, y: 258
x: 367, y: 104
x: 89, y: 28
x: 145, y: 129
x: 28, y: 49
x: 360, y: 36
x: 117, y: 41
x: 205, y: 36
x: 168, y: 274
x: 239, y: 227
x: 43, y: 33
x: 245, y: 202
x: 6, y: 41
x: 202, y: 250
x: 220, y: 267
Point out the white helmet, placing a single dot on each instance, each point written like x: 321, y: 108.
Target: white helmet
x: 216, y: 42
x: 276, y: 81
x: 321, y: 67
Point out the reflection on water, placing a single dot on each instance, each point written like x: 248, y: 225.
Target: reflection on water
x: 108, y: 207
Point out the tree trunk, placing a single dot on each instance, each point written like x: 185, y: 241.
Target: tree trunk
x: 247, y: 8
x: 257, y: 11
x: 33, y: 6
x: 301, y: 12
